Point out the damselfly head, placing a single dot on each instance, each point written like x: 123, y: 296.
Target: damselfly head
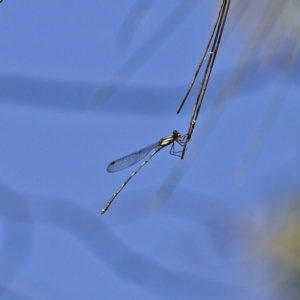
x: 176, y: 134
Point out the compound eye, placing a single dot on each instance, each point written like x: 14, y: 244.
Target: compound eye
x: 176, y: 133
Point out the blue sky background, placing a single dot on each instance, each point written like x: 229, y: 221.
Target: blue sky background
x: 58, y: 134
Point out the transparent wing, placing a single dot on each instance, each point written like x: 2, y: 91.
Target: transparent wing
x: 130, y: 159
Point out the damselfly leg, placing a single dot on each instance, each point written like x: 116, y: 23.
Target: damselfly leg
x: 179, y: 141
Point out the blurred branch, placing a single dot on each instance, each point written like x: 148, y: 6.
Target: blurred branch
x: 269, y: 117
x: 24, y: 211
x: 129, y: 26
x: 144, y: 52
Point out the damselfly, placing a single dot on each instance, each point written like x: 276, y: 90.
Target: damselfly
x: 133, y: 158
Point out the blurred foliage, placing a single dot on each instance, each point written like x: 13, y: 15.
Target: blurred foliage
x: 274, y: 243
